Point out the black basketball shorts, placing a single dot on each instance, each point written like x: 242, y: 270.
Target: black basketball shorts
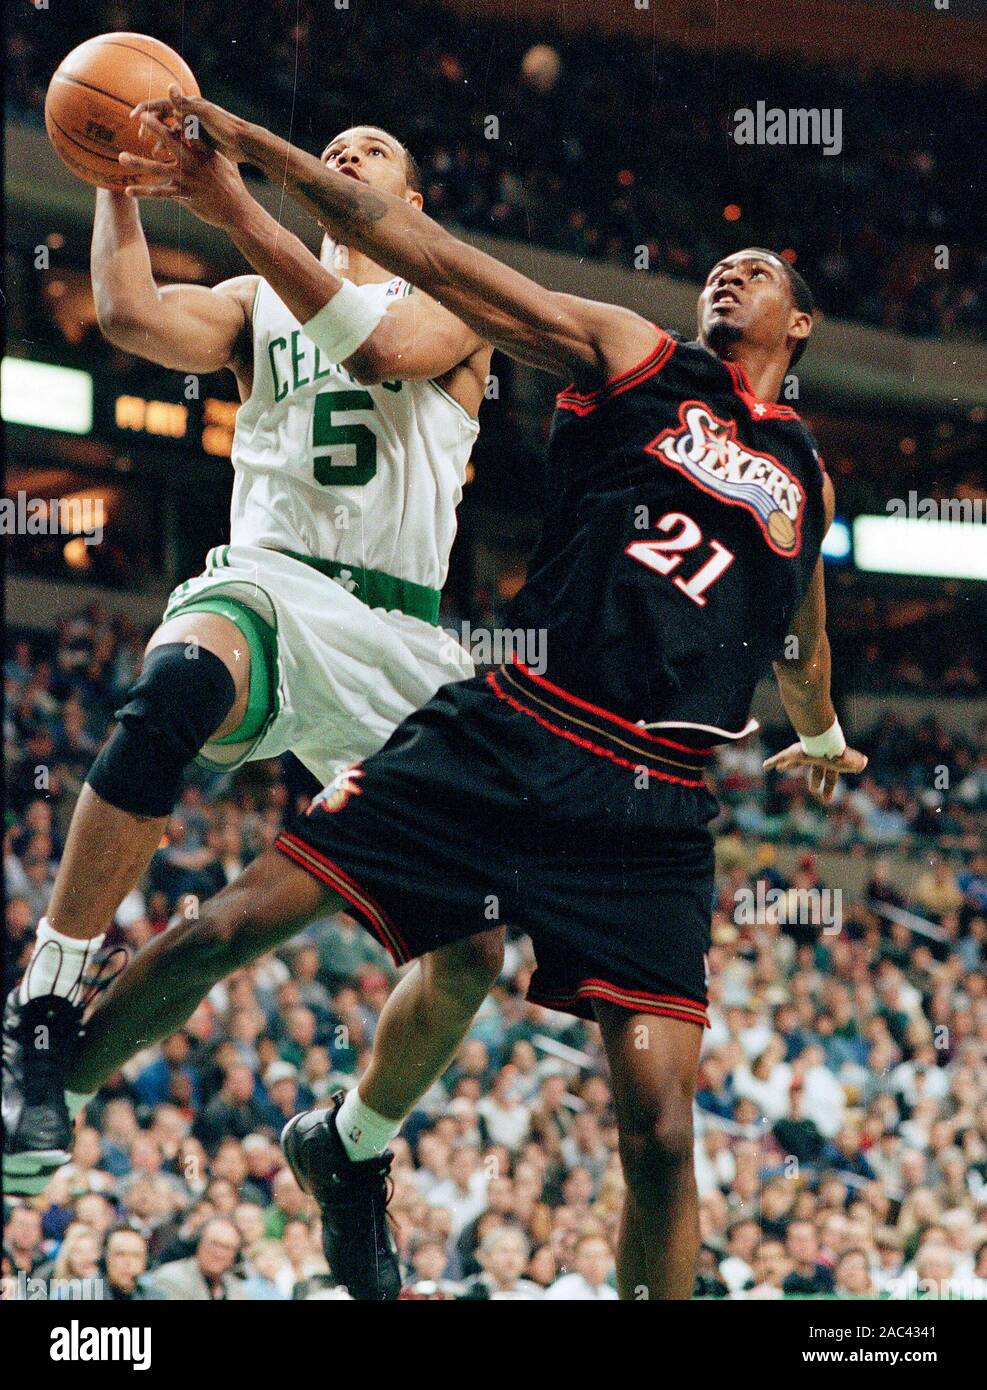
x: 506, y: 800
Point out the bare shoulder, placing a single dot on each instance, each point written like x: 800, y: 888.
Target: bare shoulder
x: 241, y: 288
x: 621, y: 337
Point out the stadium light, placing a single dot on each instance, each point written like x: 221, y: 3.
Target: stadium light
x: 836, y: 542
x: 906, y: 545
x: 45, y: 396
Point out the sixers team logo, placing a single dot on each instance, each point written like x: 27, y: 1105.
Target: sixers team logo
x: 706, y: 449
x: 335, y: 796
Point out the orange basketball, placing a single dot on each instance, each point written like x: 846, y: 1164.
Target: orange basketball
x: 90, y: 97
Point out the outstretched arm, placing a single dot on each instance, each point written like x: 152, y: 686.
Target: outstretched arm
x: 561, y: 333
x: 416, y: 339
x: 804, y: 683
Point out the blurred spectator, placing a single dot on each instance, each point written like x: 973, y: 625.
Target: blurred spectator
x: 593, y: 1261
x: 125, y: 1264
x: 206, y: 1275
x: 840, y: 1106
x: 504, y: 1257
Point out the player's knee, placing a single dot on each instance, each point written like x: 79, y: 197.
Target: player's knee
x: 660, y: 1146
x: 468, y: 969
x: 182, y: 695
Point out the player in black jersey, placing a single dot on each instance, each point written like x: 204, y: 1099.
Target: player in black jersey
x: 685, y: 513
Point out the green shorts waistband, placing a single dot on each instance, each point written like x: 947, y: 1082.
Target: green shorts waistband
x: 377, y: 589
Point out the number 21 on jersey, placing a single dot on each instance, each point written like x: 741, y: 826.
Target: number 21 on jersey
x: 666, y: 556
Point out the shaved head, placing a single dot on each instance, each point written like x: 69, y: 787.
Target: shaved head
x: 364, y: 133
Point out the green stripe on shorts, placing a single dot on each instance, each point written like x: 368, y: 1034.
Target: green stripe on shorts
x: 262, y: 644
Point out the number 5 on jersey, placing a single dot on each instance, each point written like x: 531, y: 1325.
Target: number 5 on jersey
x: 328, y: 435
x: 666, y: 556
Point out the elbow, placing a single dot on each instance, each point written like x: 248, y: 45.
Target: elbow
x: 378, y: 358
x: 366, y: 372
x: 118, y: 323
x: 369, y: 365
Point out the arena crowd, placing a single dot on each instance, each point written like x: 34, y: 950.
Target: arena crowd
x: 650, y: 178
x: 841, y: 1121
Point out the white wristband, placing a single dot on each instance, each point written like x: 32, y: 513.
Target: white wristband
x: 344, y: 323
x: 828, y: 745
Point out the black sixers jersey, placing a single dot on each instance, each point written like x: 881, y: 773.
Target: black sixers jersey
x: 683, y: 523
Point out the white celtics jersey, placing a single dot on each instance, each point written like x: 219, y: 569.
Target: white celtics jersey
x: 333, y: 470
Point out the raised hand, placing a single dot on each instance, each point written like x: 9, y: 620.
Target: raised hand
x: 188, y: 170
x: 201, y: 120
x: 824, y: 773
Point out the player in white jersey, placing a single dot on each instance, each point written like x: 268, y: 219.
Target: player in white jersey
x: 353, y: 481
x: 315, y: 630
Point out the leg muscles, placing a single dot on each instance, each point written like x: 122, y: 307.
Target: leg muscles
x: 426, y: 1018
x: 165, y: 982
x: 654, y: 1063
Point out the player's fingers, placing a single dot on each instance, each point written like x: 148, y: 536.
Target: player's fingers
x: 185, y: 104
x: 782, y: 762
x: 140, y: 164
x: 155, y: 190
x: 777, y: 759
x: 159, y: 106
x: 167, y: 135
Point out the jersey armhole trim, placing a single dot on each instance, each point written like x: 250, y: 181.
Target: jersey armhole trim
x: 253, y: 302
x: 650, y: 366
x: 453, y: 402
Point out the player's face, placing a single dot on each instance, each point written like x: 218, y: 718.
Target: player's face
x: 372, y: 157
x: 747, y: 299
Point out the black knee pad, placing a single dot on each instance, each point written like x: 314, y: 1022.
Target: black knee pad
x: 171, y: 710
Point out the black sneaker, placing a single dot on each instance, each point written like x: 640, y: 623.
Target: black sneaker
x: 38, y: 1039
x: 353, y: 1200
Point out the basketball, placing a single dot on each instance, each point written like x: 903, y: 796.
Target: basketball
x: 92, y: 93
x: 781, y: 530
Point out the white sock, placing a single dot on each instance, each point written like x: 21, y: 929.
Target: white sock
x: 364, y: 1133
x: 57, y: 963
